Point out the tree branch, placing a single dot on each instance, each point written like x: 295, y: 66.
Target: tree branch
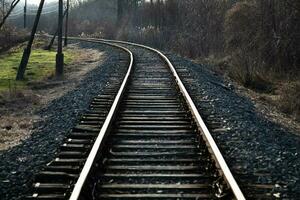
x: 12, y: 6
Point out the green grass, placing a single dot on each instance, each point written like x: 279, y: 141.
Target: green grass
x: 41, y: 65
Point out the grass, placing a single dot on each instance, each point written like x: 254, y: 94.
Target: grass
x: 41, y: 66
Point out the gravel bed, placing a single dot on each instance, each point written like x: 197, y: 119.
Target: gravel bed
x: 19, y: 164
x: 251, y: 143
x: 257, y: 150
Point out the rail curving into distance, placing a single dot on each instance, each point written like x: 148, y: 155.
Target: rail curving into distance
x: 105, y: 127
x: 151, y: 139
x: 222, y: 167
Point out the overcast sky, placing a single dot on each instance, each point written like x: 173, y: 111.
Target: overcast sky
x: 46, y: 1
x: 38, y: 1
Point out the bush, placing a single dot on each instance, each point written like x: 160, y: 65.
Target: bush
x: 243, y: 69
x: 241, y: 26
x: 10, y: 36
x: 289, y: 99
x: 239, y: 33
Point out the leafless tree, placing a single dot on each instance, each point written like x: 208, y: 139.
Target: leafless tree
x: 13, y: 4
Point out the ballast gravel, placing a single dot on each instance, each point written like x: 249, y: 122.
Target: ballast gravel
x: 259, y: 152
x: 251, y: 144
x: 19, y: 164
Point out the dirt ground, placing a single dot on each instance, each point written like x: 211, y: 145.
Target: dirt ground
x: 263, y: 106
x: 17, y: 109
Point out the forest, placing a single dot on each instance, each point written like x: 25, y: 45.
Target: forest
x: 256, y: 43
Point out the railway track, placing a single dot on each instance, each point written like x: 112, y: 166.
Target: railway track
x: 143, y: 138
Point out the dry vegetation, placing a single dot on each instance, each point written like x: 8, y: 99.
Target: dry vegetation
x: 255, y: 42
x: 10, y: 36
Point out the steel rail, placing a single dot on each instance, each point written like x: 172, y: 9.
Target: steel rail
x: 210, y: 142
x: 100, y: 139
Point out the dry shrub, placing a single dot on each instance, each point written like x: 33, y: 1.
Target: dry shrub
x: 242, y: 42
x: 186, y: 44
x: 100, y: 29
x: 217, y: 64
x: 10, y: 36
x: 109, y: 30
x: 241, y: 26
x: 259, y: 43
x: 290, y: 99
x: 152, y: 36
x: 148, y: 35
x: 238, y: 33
x: 245, y: 71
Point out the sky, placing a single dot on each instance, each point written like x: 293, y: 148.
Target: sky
x: 46, y: 1
x: 38, y: 1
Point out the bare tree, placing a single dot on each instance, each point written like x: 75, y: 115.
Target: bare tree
x: 13, y: 4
